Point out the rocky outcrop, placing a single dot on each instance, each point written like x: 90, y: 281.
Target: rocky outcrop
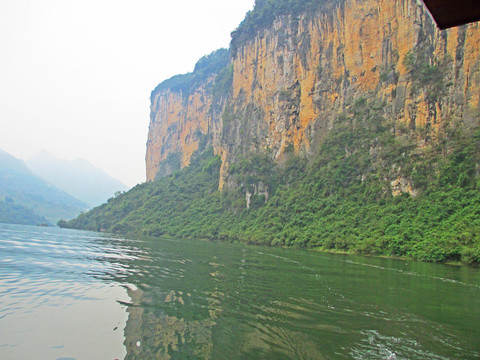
x: 182, y: 117
x: 293, y: 80
x: 175, y: 129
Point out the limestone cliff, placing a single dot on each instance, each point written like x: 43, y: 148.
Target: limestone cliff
x: 295, y: 77
x: 182, y: 118
x: 175, y: 127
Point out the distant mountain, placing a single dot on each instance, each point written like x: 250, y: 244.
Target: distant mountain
x: 12, y: 213
x: 78, y: 178
x: 20, y: 187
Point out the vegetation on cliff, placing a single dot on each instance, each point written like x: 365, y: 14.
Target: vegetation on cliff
x: 341, y: 200
x: 266, y: 11
x: 206, y: 67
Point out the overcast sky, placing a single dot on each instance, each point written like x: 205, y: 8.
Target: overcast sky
x: 76, y: 75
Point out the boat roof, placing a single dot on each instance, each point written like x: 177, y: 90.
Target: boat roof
x: 450, y: 13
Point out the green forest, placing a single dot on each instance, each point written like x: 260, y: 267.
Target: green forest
x: 341, y: 200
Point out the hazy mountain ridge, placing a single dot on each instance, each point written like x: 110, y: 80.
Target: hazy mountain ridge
x: 21, y: 187
x: 79, y: 178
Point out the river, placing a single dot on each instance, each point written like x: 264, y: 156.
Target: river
x: 67, y: 294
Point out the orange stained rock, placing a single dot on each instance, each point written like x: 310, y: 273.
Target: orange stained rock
x: 174, y: 125
x: 330, y: 59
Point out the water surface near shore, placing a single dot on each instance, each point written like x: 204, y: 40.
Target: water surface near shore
x: 84, y: 295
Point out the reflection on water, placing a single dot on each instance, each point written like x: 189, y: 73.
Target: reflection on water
x: 177, y: 299
x: 201, y: 300
x: 152, y: 335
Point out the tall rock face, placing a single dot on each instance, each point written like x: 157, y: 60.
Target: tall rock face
x: 175, y: 127
x: 288, y: 83
x: 182, y: 118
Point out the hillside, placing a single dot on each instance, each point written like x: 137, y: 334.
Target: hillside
x: 336, y: 124
x: 11, y: 213
x: 78, y: 178
x: 29, y: 191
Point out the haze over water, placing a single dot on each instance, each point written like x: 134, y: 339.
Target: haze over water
x: 83, y: 295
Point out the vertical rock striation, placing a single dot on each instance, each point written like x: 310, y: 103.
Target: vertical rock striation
x: 293, y: 79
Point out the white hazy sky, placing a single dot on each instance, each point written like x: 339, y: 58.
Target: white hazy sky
x: 76, y: 75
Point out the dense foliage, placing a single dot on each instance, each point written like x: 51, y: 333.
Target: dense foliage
x: 162, y: 207
x: 266, y: 11
x: 205, y: 67
x: 341, y: 200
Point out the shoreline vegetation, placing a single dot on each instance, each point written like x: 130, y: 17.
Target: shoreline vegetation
x: 314, y: 249
x: 336, y: 201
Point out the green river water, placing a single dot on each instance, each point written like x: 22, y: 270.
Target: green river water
x: 80, y: 295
